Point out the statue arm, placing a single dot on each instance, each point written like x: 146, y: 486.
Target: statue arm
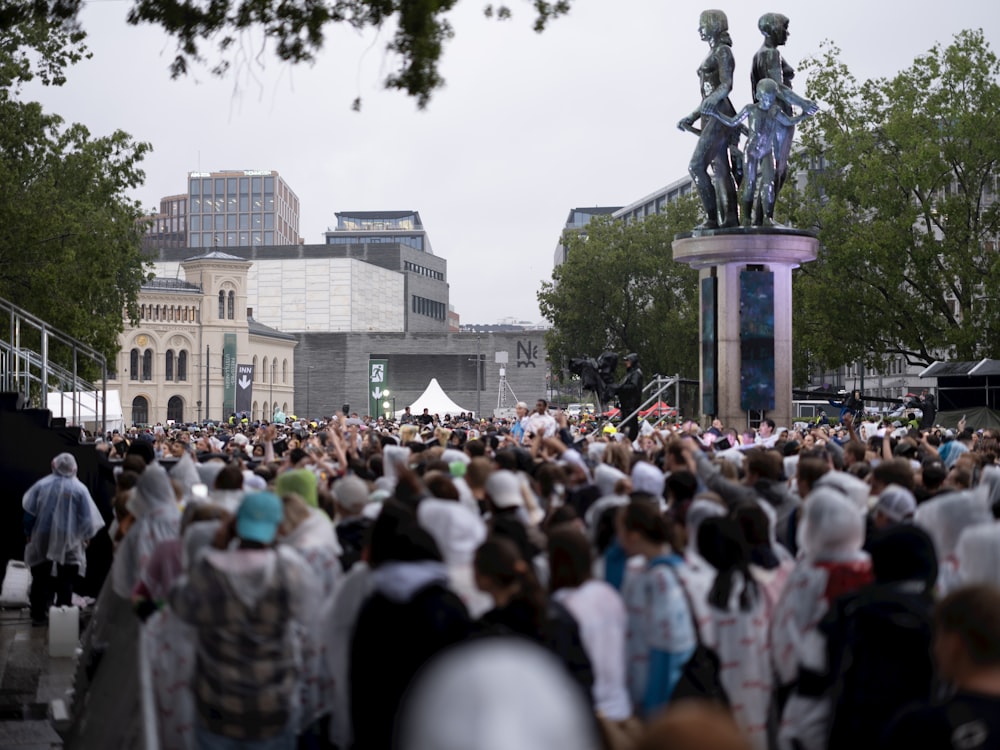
x: 788, y: 95
x: 789, y: 121
x: 732, y: 122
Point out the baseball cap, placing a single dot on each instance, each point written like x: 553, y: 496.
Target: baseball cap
x: 504, y: 489
x: 897, y: 503
x: 259, y: 516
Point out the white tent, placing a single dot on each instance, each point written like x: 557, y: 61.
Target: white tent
x: 87, y: 408
x: 435, y: 400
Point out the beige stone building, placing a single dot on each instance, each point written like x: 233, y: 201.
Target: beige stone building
x: 187, y: 358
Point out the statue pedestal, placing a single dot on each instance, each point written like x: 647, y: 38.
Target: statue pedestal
x: 745, y: 281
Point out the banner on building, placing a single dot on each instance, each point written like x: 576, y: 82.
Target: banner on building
x: 377, y: 385
x: 244, y: 389
x: 228, y: 374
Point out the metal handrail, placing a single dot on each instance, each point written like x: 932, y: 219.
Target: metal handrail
x: 662, y: 384
x: 22, y: 366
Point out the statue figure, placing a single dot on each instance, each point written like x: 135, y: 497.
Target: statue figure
x: 718, y: 191
x: 766, y: 120
x: 768, y: 63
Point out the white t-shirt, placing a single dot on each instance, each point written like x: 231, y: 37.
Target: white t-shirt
x: 600, y: 614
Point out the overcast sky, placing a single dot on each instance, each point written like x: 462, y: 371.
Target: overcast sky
x: 528, y: 125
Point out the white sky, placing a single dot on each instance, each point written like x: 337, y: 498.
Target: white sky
x: 527, y: 126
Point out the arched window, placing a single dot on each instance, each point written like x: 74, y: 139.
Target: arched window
x: 147, y: 364
x: 263, y: 372
x: 254, y: 414
x: 140, y: 410
x: 284, y: 407
x: 256, y: 372
x: 222, y: 305
x: 182, y: 365
x: 284, y: 371
x: 232, y: 305
x: 264, y: 414
x: 168, y: 371
x: 175, y: 409
x: 133, y: 365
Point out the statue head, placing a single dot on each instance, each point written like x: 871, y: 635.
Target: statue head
x: 774, y: 25
x: 713, y: 24
x: 767, y: 92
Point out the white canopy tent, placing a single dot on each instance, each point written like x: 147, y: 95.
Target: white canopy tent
x: 435, y: 400
x: 87, y: 408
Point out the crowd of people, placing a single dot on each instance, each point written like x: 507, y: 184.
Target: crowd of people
x: 462, y: 583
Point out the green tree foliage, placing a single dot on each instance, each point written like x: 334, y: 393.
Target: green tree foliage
x: 69, y: 239
x: 620, y: 290
x: 905, y: 204
x: 297, y: 29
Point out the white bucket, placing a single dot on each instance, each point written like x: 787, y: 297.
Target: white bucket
x: 64, y: 631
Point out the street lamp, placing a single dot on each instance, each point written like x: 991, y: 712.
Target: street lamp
x: 386, y: 404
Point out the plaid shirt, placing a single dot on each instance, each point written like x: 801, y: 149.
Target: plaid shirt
x: 246, y: 672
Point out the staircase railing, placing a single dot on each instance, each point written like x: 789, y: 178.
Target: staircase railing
x: 37, y: 374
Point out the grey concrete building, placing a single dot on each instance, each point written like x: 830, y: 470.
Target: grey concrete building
x: 332, y: 369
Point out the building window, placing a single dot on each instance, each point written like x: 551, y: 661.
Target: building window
x: 133, y: 365
x: 182, y: 365
x: 222, y: 305
x: 168, y: 372
x: 232, y: 305
x: 254, y: 413
x: 140, y: 410
x: 284, y: 371
x: 147, y: 364
x: 175, y: 409
x: 263, y: 375
x: 256, y: 372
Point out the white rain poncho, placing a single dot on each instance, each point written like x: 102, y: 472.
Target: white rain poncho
x: 154, y: 506
x: 496, y: 694
x: 168, y: 647
x: 697, y: 575
x: 458, y: 532
x: 945, y: 518
x: 833, y: 564
x: 315, y: 541
x: 66, y: 517
x: 978, y: 555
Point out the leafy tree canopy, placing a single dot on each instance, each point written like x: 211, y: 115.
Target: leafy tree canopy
x: 620, y: 290
x: 903, y: 190
x: 297, y: 28
x: 69, y: 238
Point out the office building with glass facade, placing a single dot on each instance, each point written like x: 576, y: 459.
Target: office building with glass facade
x: 241, y: 208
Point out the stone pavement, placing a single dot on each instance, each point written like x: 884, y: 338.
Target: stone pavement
x: 35, y: 689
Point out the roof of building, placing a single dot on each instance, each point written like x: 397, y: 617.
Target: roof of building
x: 377, y: 214
x: 214, y: 255
x: 259, y: 329
x: 590, y: 211
x: 162, y: 283
x: 978, y: 368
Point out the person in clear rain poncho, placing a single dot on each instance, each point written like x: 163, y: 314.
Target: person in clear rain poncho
x: 157, y: 518
x: 831, y: 538
x: 60, y: 518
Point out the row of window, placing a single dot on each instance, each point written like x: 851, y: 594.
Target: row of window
x: 270, y: 370
x: 223, y: 185
x: 223, y: 205
x: 414, y: 241
x: 169, y: 313
x: 231, y: 222
x: 175, y: 365
x: 430, y: 308
x: 422, y: 270
x: 231, y: 239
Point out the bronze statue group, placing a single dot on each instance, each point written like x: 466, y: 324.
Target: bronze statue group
x: 760, y: 169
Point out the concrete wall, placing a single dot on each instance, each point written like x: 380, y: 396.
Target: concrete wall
x: 332, y: 368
